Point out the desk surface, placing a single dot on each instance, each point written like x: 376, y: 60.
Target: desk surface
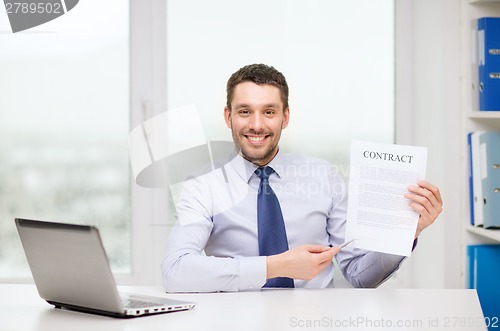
x: 344, y: 309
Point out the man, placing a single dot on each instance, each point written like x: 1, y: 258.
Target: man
x: 220, y: 213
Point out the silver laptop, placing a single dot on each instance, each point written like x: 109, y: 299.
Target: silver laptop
x: 71, y: 270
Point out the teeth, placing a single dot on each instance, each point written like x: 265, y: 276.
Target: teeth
x: 256, y: 139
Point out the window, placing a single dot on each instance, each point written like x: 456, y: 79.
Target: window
x: 64, y: 121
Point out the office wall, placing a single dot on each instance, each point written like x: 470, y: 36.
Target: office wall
x: 428, y: 88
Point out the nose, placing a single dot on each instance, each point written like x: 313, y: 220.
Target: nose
x: 257, y: 122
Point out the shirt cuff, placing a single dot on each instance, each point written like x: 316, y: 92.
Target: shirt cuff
x: 253, y: 272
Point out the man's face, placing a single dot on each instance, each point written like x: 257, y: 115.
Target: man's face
x: 256, y: 119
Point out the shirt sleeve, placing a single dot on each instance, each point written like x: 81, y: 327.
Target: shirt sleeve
x: 362, y: 268
x: 185, y: 267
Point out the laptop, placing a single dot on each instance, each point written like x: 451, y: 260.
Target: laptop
x: 71, y: 270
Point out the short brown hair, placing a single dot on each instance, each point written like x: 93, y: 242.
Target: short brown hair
x: 258, y: 74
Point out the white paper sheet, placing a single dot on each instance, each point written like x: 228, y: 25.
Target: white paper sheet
x: 379, y: 216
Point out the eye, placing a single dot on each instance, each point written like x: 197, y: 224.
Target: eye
x: 270, y: 112
x: 244, y: 112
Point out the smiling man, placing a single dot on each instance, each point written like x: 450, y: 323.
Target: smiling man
x: 269, y: 219
x: 256, y: 115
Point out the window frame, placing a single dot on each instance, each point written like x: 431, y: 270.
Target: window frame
x: 147, y: 98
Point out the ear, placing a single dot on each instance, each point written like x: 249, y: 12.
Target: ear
x: 227, y: 116
x: 286, y: 117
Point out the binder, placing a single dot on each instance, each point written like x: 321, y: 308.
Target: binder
x: 489, y: 154
x: 474, y: 68
x: 484, y: 275
x: 477, y: 205
x: 488, y: 50
x: 471, y: 183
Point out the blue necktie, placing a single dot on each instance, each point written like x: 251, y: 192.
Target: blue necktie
x: 271, y: 227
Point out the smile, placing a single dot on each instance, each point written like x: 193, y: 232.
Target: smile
x: 256, y: 139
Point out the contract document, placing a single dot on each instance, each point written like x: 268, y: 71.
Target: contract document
x: 379, y: 217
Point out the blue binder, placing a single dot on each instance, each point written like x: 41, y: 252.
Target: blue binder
x: 484, y: 276
x: 488, y: 43
x: 489, y: 151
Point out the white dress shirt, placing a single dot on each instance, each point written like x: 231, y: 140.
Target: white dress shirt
x: 214, y: 245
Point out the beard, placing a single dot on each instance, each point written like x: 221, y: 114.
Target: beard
x: 259, y: 155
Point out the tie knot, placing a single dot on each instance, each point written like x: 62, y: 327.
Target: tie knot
x: 264, y: 172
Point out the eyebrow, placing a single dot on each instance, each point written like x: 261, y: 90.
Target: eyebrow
x: 246, y: 105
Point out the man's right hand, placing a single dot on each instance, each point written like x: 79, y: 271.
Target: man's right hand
x: 303, y: 262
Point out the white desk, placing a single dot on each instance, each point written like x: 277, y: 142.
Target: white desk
x: 299, y: 309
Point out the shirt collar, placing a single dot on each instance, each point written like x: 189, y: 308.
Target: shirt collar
x: 246, y: 169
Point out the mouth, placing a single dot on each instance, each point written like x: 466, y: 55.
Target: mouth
x: 256, y: 140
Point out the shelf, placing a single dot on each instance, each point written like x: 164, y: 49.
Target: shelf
x: 483, y: 1
x: 491, y: 234
x: 484, y: 114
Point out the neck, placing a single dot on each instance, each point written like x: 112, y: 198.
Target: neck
x: 264, y: 161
